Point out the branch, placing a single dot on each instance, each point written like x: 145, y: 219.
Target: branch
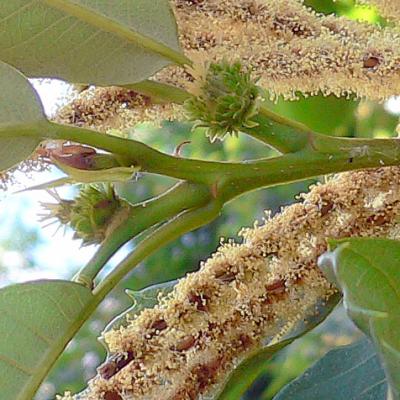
x: 160, y: 92
x: 279, y: 132
x: 139, y: 154
x: 183, y: 223
x: 182, y: 197
x: 320, y: 155
x: 330, y: 155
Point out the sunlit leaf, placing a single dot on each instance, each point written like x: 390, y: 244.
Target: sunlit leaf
x: 348, y: 372
x: 368, y: 272
x: 37, y: 320
x: 21, y: 117
x: 87, y: 41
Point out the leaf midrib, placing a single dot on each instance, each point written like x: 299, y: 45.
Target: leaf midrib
x: 110, y: 25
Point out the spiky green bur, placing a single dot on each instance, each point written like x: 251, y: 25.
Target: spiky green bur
x: 90, y: 214
x: 227, y: 101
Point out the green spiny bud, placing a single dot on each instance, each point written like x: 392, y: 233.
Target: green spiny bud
x: 227, y: 100
x: 90, y: 214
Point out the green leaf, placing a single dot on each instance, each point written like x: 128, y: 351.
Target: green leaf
x: 21, y: 117
x: 89, y: 41
x: 350, y: 372
x: 368, y: 272
x: 256, y: 362
x: 142, y: 299
x: 37, y: 320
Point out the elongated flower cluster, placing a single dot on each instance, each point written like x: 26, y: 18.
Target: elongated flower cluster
x: 114, y: 108
x: 245, y: 294
x: 292, y: 48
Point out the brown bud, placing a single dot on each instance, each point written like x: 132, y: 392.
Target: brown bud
x: 371, y: 62
x: 107, y: 370
x: 111, y: 396
x: 377, y: 219
x: 225, y: 276
x: 159, y: 325
x: 206, y: 372
x: 325, y: 208
x: 276, y: 287
x: 114, y: 364
x: 199, y: 300
x: 245, y: 341
x: 185, y: 344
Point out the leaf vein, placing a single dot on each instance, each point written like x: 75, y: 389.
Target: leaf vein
x: 35, y: 36
x: 16, y: 365
x: 18, y: 11
x: 368, y: 389
x: 40, y: 335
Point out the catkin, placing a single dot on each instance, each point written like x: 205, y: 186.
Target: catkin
x: 245, y: 294
x: 114, y: 108
x: 292, y: 48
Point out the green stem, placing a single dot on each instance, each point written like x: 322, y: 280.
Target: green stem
x: 280, y: 119
x: 310, y: 163
x: 168, y: 232
x: 283, y: 138
x: 289, y: 136
x: 322, y: 155
x: 137, y: 153
x: 160, y: 92
x: 283, y: 134
x: 182, y: 197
